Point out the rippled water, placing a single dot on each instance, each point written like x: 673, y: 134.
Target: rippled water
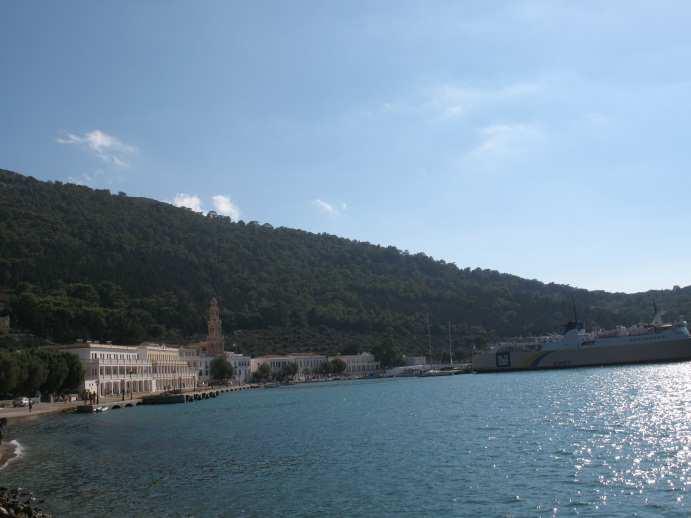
x: 609, y: 441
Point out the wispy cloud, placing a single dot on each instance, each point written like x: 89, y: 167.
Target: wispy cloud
x: 450, y: 101
x: 324, y: 207
x: 224, y: 205
x: 329, y: 209
x: 503, y: 139
x: 107, y: 147
x: 191, y: 201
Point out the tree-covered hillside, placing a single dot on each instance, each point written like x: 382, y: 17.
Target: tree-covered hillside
x: 84, y: 263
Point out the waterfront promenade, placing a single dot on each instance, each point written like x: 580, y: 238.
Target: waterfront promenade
x: 43, y: 409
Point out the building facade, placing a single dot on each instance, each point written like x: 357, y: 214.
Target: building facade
x: 170, y: 369
x: 200, y: 362
x: 363, y: 363
x: 242, y: 370
x: 307, y: 363
x: 113, y: 370
x: 117, y: 370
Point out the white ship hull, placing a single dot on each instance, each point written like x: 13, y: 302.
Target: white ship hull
x: 648, y: 349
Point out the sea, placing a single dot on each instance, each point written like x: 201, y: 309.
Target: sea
x: 610, y: 441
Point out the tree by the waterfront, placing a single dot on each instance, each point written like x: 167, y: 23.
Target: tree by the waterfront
x: 263, y: 373
x: 26, y: 372
x: 288, y: 372
x: 220, y: 369
x: 337, y: 366
x: 387, y: 352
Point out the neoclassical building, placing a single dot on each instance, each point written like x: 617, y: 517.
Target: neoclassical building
x: 116, y: 370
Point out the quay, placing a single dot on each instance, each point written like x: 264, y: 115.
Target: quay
x: 191, y: 396
x: 43, y: 409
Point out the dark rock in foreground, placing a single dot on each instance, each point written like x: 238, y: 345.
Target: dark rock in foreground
x: 20, y: 503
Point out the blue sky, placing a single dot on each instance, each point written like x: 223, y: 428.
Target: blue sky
x: 542, y: 138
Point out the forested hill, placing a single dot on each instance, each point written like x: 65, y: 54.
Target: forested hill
x: 84, y: 263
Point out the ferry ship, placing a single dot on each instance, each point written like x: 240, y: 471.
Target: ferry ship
x: 642, y: 343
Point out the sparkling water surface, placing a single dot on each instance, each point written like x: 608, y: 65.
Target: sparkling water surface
x: 608, y: 441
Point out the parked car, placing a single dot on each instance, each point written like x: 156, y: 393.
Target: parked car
x: 22, y: 401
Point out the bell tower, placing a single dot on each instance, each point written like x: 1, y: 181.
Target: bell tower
x: 215, y: 338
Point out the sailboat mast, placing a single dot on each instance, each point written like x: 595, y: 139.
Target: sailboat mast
x: 450, y: 348
x: 429, y: 340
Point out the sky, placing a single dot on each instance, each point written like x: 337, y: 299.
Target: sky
x: 548, y: 139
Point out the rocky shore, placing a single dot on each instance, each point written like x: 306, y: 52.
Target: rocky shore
x: 8, y: 451
x: 20, y: 503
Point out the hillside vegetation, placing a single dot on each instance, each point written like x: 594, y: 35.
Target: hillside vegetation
x: 84, y: 263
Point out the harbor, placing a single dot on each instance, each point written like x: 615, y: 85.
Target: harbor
x: 254, y: 448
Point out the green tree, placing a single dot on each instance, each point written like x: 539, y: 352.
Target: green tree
x: 9, y: 373
x: 387, y: 352
x: 289, y: 371
x: 337, y: 365
x: 75, y: 373
x: 220, y: 369
x: 263, y: 373
x: 33, y: 374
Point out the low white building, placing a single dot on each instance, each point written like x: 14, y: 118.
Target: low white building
x: 306, y: 363
x: 200, y: 361
x: 310, y: 363
x: 363, y: 363
x: 242, y: 370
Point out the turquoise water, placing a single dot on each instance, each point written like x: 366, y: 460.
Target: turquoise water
x: 609, y: 441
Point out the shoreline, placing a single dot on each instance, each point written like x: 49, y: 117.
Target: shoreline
x: 9, y: 452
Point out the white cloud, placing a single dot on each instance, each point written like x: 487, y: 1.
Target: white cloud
x: 324, y: 207
x: 330, y: 209
x: 501, y: 140
x: 188, y: 200
x: 224, y: 205
x: 451, y: 101
x: 107, y: 147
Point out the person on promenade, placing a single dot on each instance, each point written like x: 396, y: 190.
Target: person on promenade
x: 31, y: 404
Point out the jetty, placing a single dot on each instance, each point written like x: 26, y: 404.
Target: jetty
x: 182, y: 396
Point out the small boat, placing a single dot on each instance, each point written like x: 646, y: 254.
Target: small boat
x: 101, y: 409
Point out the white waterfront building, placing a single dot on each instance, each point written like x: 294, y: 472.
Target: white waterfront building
x: 113, y: 369
x: 116, y: 370
x: 200, y: 361
x: 363, y: 363
x: 242, y: 370
x: 306, y: 363
x: 310, y: 363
